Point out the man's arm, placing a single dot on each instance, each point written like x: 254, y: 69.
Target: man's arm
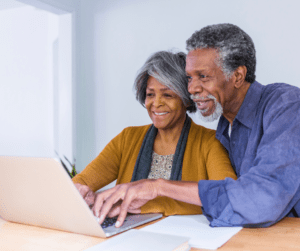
x: 136, y: 194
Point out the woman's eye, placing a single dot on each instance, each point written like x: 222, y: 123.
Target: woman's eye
x: 167, y: 95
x: 149, y: 94
x: 202, y: 76
x: 189, y: 78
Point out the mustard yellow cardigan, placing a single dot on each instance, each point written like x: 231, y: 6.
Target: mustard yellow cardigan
x: 204, y: 158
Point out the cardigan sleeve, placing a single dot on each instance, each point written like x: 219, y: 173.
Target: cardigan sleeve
x: 168, y: 206
x: 105, y: 167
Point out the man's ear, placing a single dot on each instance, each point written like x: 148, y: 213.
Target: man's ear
x: 240, y: 75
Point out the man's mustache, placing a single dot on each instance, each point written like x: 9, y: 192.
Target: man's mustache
x: 197, y: 96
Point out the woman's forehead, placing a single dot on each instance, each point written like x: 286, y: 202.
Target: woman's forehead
x: 153, y: 83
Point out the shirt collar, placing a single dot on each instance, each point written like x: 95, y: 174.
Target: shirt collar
x: 247, y: 112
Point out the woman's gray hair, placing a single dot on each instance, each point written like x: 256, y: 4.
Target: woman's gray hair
x: 168, y: 68
x: 235, y: 47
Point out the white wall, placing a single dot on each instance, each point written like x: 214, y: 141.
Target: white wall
x: 117, y: 37
x: 64, y: 88
x: 84, y: 87
x: 26, y: 90
x: 113, y: 39
x: 37, y: 76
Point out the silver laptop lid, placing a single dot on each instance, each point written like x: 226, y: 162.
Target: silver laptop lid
x: 38, y: 191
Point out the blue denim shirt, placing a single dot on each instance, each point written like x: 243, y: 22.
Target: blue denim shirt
x: 264, y: 149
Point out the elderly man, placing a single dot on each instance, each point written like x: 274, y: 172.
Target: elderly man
x: 259, y: 127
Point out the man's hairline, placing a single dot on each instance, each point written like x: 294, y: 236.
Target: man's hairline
x: 218, y: 60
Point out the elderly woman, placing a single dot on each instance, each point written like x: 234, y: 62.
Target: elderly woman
x: 173, y: 148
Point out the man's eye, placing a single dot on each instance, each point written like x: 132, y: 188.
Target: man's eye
x: 202, y: 76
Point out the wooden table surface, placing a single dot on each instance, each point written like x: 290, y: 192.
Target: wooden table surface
x: 285, y: 235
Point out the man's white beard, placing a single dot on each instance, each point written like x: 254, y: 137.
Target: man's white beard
x: 215, y: 115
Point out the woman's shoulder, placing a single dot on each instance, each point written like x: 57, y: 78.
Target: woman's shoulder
x: 201, y: 130
x: 205, y: 137
x: 135, y: 131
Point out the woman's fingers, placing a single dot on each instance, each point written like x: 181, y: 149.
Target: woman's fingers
x: 87, y: 194
x: 83, y: 189
x: 90, y: 198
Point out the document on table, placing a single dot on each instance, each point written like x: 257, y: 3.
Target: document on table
x: 195, y: 227
x: 137, y: 240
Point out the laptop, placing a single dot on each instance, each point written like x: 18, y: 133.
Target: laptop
x: 39, y: 192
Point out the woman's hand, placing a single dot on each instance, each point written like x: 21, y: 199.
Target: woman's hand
x: 123, y: 198
x: 87, y: 194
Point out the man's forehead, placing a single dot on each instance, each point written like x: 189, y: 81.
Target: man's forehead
x: 201, y: 58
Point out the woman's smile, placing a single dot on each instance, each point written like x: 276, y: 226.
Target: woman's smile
x: 160, y: 113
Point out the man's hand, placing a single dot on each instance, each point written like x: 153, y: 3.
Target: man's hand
x: 87, y: 194
x: 123, y: 198
x: 130, y: 197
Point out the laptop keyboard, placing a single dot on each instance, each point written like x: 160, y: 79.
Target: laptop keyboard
x: 109, y: 222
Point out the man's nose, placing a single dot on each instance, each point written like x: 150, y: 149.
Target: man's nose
x: 194, y: 87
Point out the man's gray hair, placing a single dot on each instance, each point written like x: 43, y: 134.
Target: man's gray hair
x: 234, y: 46
x: 168, y: 68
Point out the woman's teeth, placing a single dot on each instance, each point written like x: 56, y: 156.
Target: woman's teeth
x: 161, y: 113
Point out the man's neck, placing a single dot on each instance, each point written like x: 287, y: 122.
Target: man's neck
x: 236, y: 102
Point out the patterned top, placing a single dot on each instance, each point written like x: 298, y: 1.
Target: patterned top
x: 161, y: 166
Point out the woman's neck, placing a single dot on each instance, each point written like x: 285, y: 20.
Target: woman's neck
x: 166, y: 140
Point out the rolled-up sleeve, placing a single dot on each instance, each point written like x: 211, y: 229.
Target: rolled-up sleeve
x: 213, y: 197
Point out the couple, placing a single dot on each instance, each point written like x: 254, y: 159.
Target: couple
x: 177, y: 167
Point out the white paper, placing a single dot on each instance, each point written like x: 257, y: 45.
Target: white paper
x: 136, y: 240
x: 197, y: 228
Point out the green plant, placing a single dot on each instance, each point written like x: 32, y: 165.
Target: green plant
x: 73, y: 171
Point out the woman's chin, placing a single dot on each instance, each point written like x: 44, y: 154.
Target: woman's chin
x: 160, y: 126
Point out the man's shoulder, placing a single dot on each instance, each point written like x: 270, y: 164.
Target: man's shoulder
x: 279, y: 100
x: 277, y: 96
x: 283, y: 92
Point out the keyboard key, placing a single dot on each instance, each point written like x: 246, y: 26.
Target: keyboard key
x: 109, y: 222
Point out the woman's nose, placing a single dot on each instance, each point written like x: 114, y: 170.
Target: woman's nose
x: 157, y: 101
